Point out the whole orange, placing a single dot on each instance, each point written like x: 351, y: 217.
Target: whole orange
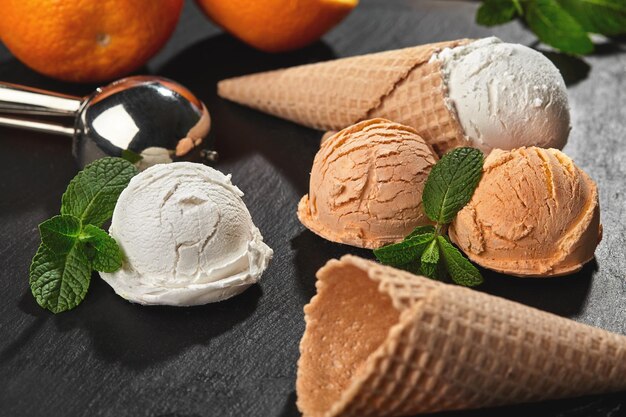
x: 86, y: 40
x: 277, y: 25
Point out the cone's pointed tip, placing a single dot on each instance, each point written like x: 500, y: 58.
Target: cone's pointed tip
x: 222, y: 88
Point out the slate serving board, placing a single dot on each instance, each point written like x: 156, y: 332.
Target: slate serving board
x: 238, y: 358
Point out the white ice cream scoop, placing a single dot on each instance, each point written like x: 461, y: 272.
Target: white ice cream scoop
x: 505, y: 95
x: 187, y: 238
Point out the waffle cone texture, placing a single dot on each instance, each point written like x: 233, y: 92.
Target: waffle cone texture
x: 383, y: 342
x: 399, y: 85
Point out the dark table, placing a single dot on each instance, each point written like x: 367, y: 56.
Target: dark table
x: 238, y: 358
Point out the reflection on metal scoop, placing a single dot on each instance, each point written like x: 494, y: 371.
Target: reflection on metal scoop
x: 145, y: 119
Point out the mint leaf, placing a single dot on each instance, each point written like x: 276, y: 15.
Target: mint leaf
x: 72, y: 244
x: 412, y: 267
x: 400, y: 254
x: 430, y: 259
x: 59, y: 281
x: 92, y: 194
x: 429, y: 270
x: 59, y: 233
x: 451, y: 183
x: 607, y: 17
x: 555, y: 27
x: 460, y: 269
x: 107, y: 256
x: 449, y: 187
x: 131, y: 156
x: 431, y: 253
x: 420, y: 230
x: 496, y: 12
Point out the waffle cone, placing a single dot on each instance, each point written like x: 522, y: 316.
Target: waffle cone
x: 383, y: 342
x: 399, y: 85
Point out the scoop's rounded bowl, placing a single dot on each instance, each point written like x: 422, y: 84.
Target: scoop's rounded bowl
x: 139, y: 113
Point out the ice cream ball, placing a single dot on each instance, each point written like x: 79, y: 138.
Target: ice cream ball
x: 366, y: 185
x: 505, y: 95
x: 533, y: 214
x: 187, y: 238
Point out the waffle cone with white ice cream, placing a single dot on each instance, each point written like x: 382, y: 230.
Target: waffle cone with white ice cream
x: 366, y: 185
x: 534, y: 213
x: 483, y: 93
x: 380, y: 342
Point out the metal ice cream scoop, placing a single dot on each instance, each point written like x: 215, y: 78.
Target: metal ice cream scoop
x: 141, y: 116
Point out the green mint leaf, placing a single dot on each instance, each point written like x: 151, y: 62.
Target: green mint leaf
x: 460, y: 269
x: 420, y: 230
x: 92, y: 194
x: 430, y: 259
x: 131, y: 156
x: 405, y: 252
x: 429, y: 270
x: 496, y: 12
x: 60, y: 233
x: 431, y: 253
x: 106, y: 255
x: 555, y: 27
x: 412, y: 267
x: 59, y: 281
x: 607, y: 17
x: 451, y: 183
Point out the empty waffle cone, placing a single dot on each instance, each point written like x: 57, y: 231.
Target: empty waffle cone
x: 400, y: 85
x: 383, y: 342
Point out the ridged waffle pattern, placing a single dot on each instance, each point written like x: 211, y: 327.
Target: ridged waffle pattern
x: 335, y: 94
x: 419, y: 101
x: 456, y: 348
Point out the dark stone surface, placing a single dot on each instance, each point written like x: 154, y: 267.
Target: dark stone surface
x: 238, y: 358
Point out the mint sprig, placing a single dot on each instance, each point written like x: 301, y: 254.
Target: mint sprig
x: 451, y: 183
x: 460, y: 269
x: 420, y: 230
x: 429, y: 260
x: 404, y: 252
x: 72, y: 243
x: 92, y: 194
x: 555, y: 27
x: 106, y: 256
x: 497, y: 12
x: 427, y: 251
x: 607, y: 17
x: 59, y: 281
x: 563, y: 24
x: 59, y: 233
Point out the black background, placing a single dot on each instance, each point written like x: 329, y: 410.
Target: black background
x: 238, y: 358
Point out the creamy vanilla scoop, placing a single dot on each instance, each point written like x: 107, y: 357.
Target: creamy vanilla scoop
x: 187, y: 238
x: 505, y: 95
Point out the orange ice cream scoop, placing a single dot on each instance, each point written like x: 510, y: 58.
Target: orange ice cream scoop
x: 366, y: 184
x: 534, y: 213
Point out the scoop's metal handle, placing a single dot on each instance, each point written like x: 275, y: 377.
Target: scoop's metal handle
x: 17, y: 99
x: 45, y: 127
